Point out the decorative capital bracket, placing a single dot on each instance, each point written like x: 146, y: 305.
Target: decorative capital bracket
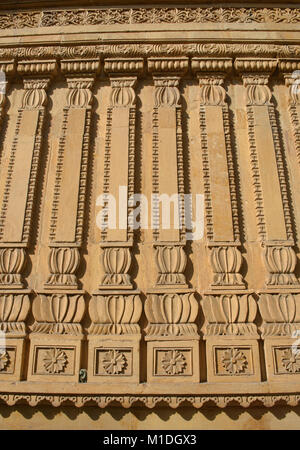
x: 123, y: 66
x: 256, y: 73
x: 168, y: 66
x: 255, y: 66
x: 290, y: 69
x: 37, y: 69
x: 288, y: 66
x: 78, y: 67
x: 7, y: 69
x: 212, y: 68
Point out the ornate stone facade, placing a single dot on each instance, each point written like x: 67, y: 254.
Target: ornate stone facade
x: 187, y: 108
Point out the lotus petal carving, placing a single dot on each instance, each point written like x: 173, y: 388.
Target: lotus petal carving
x: 115, y: 310
x: 230, y: 308
x: 171, y: 308
x: 280, y: 308
x: 14, y: 307
x: 58, y: 308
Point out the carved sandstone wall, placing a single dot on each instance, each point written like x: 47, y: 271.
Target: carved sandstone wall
x: 159, y: 100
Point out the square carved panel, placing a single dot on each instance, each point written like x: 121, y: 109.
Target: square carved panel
x: 173, y: 362
x: 233, y: 361
x: 113, y: 361
x: 7, y: 360
x: 286, y: 360
x: 54, y: 360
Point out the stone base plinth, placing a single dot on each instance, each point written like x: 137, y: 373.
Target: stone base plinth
x: 282, y: 357
x: 232, y: 359
x: 12, y: 358
x: 54, y: 357
x: 114, y: 358
x: 175, y: 360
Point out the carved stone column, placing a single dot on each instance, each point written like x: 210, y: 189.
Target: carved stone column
x: 7, y: 70
x: 115, y: 309
x: 171, y: 308
x: 273, y: 217
x: 230, y: 309
x: 56, y: 336
x: 291, y: 72
x: 16, y: 213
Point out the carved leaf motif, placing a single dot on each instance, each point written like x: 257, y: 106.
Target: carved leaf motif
x: 280, y: 308
x: 226, y: 259
x: 64, y: 260
x: 14, y: 307
x: 34, y: 98
x: 79, y: 98
x: 63, y: 263
x: 171, y: 308
x: 248, y: 308
x: 230, y: 306
x: 122, y: 96
x: 116, y: 262
x: 166, y: 92
x: 11, y: 260
x: 58, y: 308
x: 280, y: 259
x: 115, y: 309
x: 258, y: 94
x: 212, y: 95
x: 287, y: 307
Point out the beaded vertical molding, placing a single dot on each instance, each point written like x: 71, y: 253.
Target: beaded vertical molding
x: 16, y: 212
x: 279, y: 299
x: 115, y: 308
x: 290, y: 69
x: 171, y: 308
x: 229, y: 309
x: 56, y: 336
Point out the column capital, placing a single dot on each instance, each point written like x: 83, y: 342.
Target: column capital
x: 80, y: 67
x: 255, y: 71
x: 168, y: 66
x: 212, y: 68
x: 32, y: 69
x: 123, y: 66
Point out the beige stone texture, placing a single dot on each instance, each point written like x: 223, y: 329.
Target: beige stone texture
x: 126, y: 328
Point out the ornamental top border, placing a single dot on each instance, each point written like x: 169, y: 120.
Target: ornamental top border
x: 146, y: 15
